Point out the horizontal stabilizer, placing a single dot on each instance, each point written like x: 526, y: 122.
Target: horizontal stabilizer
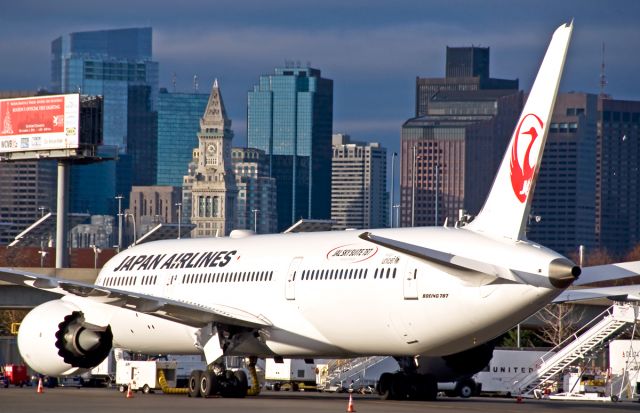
x: 455, y: 262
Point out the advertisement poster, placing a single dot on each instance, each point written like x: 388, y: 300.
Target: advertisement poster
x: 39, y: 123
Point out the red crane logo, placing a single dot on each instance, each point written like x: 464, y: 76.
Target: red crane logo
x: 522, y: 173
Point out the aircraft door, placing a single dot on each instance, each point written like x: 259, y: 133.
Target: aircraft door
x: 411, y: 282
x: 290, y: 287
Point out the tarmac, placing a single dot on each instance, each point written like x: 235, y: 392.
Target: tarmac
x: 19, y: 400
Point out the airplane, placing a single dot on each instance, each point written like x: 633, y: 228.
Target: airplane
x: 413, y: 293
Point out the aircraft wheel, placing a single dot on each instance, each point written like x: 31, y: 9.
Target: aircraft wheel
x: 384, y: 386
x: 242, y: 383
x: 399, y: 387
x: 208, y: 384
x: 466, y: 389
x: 146, y: 389
x: 194, y: 383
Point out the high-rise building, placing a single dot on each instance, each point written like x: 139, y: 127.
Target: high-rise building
x: 290, y: 117
x: 451, y: 150
x: 150, y: 206
x: 210, y: 185
x: 178, y: 122
x: 28, y: 190
x: 449, y: 157
x: 359, y: 197
x: 467, y: 69
x: 563, y: 212
x: 618, y: 175
x: 118, y: 65
x: 256, y: 207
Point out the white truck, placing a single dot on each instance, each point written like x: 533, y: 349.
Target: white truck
x: 505, y: 366
x: 143, y: 375
x: 291, y: 374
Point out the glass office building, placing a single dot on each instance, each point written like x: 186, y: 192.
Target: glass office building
x: 178, y: 126
x: 117, y: 65
x: 290, y: 117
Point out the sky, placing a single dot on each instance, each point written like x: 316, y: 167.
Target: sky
x: 373, y: 50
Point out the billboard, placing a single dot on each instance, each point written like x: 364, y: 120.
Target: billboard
x: 39, y: 123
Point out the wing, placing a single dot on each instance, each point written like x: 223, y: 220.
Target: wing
x: 616, y: 282
x: 179, y: 311
x: 609, y: 272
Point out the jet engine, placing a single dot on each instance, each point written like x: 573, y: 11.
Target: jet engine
x: 55, y: 339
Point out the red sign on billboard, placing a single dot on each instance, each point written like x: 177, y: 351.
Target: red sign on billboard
x: 39, y: 123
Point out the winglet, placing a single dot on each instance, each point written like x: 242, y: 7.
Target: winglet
x: 507, y: 207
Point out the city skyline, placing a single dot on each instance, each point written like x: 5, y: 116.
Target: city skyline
x: 372, y: 50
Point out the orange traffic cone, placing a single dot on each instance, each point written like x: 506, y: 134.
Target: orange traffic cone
x: 40, y: 387
x: 130, y: 391
x: 519, y: 399
x: 350, y: 407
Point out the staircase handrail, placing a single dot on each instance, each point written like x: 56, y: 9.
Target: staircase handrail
x: 557, y: 350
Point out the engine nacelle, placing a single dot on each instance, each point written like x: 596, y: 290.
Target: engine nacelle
x: 54, y: 339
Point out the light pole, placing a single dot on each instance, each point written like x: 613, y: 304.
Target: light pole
x: 255, y: 220
x: 133, y: 218
x: 397, y: 208
x: 393, y: 188
x: 413, y: 188
x: 119, y: 198
x: 437, y: 192
x: 179, y: 205
x: 43, y: 254
x: 96, y: 251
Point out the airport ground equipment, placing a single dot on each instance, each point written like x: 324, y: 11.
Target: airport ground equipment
x: 145, y: 375
x: 16, y: 375
x: 293, y: 374
x: 606, y: 326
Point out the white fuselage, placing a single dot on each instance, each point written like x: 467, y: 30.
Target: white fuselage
x: 334, y: 294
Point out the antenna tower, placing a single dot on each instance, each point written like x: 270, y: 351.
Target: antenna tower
x: 603, y: 78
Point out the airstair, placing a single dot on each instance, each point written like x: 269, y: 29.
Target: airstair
x: 603, y: 328
x: 355, y: 370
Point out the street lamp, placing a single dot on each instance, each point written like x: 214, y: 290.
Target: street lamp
x: 255, y: 220
x: 393, y: 188
x: 133, y: 218
x: 96, y: 251
x: 397, y: 212
x: 119, y: 198
x: 179, y: 205
x: 43, y: 254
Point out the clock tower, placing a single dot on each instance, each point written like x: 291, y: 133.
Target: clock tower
x: 211, y: 178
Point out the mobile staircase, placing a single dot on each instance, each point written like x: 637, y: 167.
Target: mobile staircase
x: 355, y: 370
x: 599, y: 331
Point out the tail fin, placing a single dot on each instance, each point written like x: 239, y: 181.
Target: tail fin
x: 507, y: 207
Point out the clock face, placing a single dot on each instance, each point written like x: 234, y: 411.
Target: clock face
x: 211, y: 148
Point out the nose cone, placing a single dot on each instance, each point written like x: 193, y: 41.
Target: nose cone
x: 563, y: 272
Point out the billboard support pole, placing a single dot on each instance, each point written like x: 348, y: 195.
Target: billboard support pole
x: 62, y: 253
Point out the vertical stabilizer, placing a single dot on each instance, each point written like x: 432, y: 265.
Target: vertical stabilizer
x: 506, y: 209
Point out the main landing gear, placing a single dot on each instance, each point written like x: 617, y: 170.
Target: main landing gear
x: 217, y: 380
x: 407, y: 384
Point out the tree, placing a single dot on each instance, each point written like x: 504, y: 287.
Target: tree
x: 8, y: 317
x: 559, y: 322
